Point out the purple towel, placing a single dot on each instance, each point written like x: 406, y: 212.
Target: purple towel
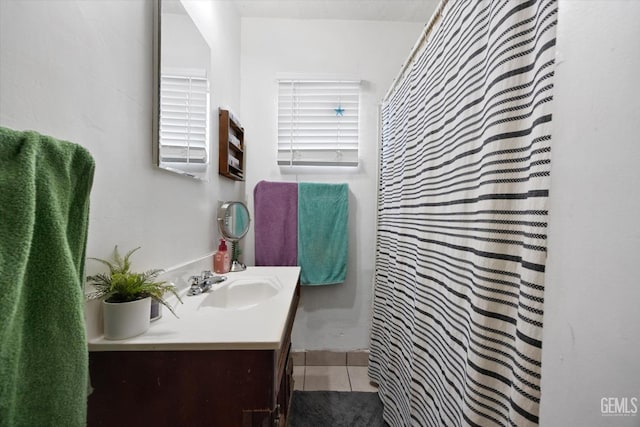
x: 276, y: 223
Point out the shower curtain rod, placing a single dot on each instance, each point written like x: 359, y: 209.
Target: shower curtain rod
x: 435, y: 18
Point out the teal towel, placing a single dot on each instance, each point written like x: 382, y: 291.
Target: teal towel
x: 323, y: 235
x: 44, y: 202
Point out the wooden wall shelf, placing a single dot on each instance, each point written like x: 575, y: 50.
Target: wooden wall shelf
x: 231, y: 146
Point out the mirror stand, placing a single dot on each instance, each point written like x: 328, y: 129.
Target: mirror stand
x: 233, y: 222
x: 235, y: 264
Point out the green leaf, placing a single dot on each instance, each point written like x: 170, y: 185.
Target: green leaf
x: 122, y: 285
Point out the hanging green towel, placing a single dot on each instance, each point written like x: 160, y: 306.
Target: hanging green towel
x: 44, y: 202
x: 323, y: 235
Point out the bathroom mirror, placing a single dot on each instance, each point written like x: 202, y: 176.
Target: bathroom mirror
x: 182, y: 63
x: 233, y: 222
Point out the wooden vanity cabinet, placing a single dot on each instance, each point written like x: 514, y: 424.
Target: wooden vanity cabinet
x: 222, y: 388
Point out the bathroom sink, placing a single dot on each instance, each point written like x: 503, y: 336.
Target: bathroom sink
x: 242, y: 293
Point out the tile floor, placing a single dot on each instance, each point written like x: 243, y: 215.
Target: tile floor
x: 334, y: 378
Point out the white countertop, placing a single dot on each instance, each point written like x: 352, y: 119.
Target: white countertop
x: 212, y: 328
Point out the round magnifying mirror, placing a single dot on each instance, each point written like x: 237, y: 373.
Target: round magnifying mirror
x: 233, y: 220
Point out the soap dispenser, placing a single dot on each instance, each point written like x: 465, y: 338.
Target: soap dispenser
x: 221, y: 259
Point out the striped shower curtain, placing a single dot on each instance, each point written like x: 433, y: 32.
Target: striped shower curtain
x: 461, y: 239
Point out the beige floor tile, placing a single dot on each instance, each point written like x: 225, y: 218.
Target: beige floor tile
x: 325, y: 358
x: 358, y: 358
x: 298, y: 358
x: 359, y: 379
x: 298, y: 377
x: 334, y: 378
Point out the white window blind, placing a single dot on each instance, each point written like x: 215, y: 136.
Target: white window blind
x: 318, y: 122
x: 184, y: 117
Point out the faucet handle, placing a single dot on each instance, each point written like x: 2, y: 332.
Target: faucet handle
x: 212, y: 280
x: 206, y: 274
x: 195, y: 290
x: 194, y: 280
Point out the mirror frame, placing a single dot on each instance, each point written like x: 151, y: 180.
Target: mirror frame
x: 155, y: 121
x: 225, y: 210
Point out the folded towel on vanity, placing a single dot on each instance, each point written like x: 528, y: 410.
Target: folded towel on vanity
x: 44, y: 203
x: 323, y: 213
x: 276, y: 223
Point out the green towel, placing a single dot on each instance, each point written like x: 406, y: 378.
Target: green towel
x: 44, y: 203
x: 241, y: 219
x: 323, y: 235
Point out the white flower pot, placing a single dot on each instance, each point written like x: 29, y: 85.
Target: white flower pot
x: 126, y: 319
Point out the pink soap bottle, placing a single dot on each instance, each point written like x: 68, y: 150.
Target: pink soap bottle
x: 221, y: 259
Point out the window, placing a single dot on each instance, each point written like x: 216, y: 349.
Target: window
x: 318, y: 122
x: 184, y: 116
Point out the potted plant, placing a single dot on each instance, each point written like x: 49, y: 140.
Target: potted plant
x: 127, y: 296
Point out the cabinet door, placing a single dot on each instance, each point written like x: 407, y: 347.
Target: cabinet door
x: 286, y: 389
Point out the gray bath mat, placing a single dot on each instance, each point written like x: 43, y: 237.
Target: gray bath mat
x: 335, y: 409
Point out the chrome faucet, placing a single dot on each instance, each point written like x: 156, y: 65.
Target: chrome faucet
x: 202, y: 283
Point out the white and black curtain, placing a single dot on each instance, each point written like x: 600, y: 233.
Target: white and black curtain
x: 462, y: 220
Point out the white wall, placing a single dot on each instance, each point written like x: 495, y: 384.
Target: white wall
x: 330, y: 317
x: 82, y: 71
x: 591, y: 346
